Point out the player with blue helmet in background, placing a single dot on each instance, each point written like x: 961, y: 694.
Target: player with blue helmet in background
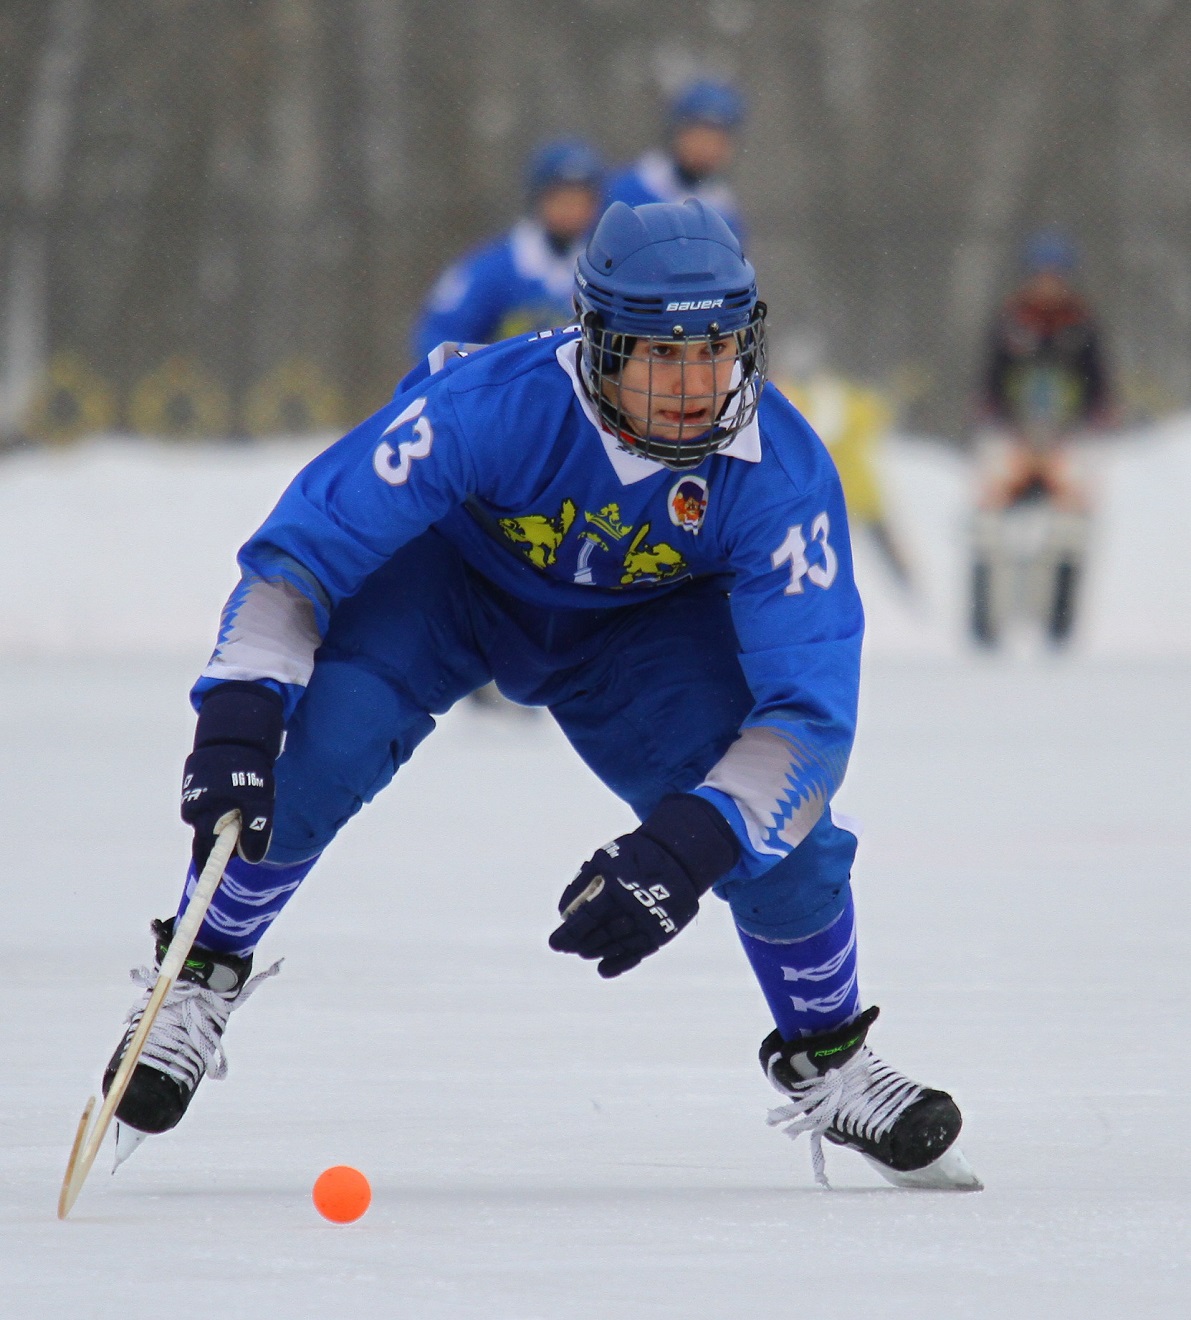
x: 621, y: 522
x: 521, y: 281
x: 703, y: 124
x: 1049, y: 249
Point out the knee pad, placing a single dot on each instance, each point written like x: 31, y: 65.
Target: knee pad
x: 803, y: 893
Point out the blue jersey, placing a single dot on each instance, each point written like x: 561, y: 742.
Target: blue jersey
x: 512, y: 286
x: 655, y: 178
x: 502, y: 452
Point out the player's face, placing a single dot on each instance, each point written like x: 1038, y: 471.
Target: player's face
x: 1047, y: 287
x: 568, y: 211
x: 704, y: 150
x: 674, y: 389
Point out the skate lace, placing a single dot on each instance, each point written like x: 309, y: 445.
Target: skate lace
x: 863, y: 1098
x: 185, y: 1040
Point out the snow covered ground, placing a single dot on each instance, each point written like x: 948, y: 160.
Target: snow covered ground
x: 542, y: 1144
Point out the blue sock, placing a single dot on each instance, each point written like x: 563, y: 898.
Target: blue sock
x: 809, y: 984
x: 248, y: 899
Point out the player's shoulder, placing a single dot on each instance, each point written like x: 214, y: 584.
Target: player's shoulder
x: 478, y: 266
x: 490, y: 397
x: 530, y: 360
x: 523, y: 372
x: 790, y: 447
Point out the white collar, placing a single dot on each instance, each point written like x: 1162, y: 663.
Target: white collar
x: 658, y: 172
x: 535, y: 259
x: 630, y: 467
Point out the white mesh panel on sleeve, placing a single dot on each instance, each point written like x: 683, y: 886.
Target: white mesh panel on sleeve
x: 268, y: 631
x: 780, y: 786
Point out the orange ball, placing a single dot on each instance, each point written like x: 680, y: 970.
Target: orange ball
x: 341, y: 1194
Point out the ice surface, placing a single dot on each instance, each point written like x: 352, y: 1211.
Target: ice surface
x: 542, y: 1144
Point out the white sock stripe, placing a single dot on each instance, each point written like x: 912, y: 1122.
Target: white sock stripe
x: 238, y: 926
x: 827, y: 1003
x: 824, y: 971
x: 239, y: 893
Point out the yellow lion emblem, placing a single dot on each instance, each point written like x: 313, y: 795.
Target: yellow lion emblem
x: 538, y: 535
x: 650, y: 563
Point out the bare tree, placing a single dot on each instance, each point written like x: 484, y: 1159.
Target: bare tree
x: 259, y: 192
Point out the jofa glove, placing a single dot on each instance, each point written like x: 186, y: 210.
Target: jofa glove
x: 638, y: 892
x: 236, y: 742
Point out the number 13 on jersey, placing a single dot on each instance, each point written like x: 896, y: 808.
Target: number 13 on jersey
x: 793, y: 549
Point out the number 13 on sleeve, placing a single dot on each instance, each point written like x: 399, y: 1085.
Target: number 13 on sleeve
x: 793, y: 550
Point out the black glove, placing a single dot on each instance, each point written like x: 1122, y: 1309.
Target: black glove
x: 637, y: 893
x: 237, y: 740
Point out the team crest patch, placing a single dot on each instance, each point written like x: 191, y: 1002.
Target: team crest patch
x: 687, y: 503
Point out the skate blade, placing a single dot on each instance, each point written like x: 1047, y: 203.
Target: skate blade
x: 127, y: 1141
x: 951, y: 1172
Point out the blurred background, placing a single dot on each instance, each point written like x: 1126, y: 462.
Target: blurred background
x: 227, y: 220
x: 221, y: 217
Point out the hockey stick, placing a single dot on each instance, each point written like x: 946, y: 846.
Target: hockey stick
x: 89, y: 1137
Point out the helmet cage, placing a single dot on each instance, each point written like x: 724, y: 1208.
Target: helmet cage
x: 703, y: 423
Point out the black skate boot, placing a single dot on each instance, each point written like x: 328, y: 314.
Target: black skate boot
x: 840, y: 1090
x: 185, y: 1041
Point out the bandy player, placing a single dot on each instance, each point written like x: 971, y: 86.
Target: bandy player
x: 619, y: 521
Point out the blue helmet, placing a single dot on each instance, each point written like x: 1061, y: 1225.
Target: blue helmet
x: 1049, y: 249
x: 671, y: 272
x: 708, y: 102
x: 566, y: 161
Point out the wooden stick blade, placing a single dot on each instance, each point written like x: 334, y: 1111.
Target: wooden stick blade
x: 70, y: 1190
x: 87, y: 1142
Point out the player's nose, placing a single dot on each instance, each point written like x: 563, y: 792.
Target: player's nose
x: 698, y: 377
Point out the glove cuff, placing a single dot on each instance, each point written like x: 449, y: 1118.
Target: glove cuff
x: 696, y: 835
x: 247, y: 714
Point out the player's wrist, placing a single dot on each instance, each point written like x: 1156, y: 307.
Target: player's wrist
x: 243, y: 714
x: 696, y: 835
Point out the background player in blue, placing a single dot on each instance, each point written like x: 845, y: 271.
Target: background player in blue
x: 619, y: 521
x: 703, y: 124
x: 521, y: 281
